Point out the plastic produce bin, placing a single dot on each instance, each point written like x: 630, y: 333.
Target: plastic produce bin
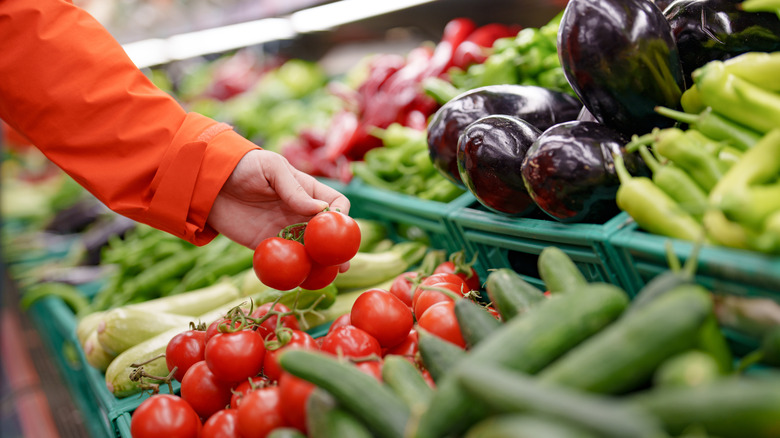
x: 502, y: 241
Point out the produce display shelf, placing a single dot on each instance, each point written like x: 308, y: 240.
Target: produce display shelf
x: 722, y: 270
x: 502, y: 241
x: 400, y: 211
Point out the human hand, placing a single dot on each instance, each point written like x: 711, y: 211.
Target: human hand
x: 264, y: 194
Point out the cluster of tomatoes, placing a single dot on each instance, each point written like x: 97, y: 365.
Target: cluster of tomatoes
x: 307, y: 255
x: 231, y: 381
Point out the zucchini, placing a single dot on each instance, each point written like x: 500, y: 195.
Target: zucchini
x: 369, y: 268
x: 559, y: 272
x: 525, y: 344
x: 475, y: 322
x: 732, y: 407
x: 118, y: 372
x: 510, y: 293
x: 405, y: 379
x: 121, y: 328
x: 524, y: 426
x: 193, y: 303
x: 371, y: 233
x: 438, y: 356
x: 95, y: 354
x: 326, y: 419
x: 286, y: 432
x: 690, y: 368
x: 506, y: 391
x: 373, y: 403
x: 88, y: 324
x: 624, y: 355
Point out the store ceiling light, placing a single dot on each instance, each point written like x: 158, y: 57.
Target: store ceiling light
x: 335, y: 14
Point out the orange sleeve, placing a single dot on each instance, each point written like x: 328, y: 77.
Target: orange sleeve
x: 69, y: 87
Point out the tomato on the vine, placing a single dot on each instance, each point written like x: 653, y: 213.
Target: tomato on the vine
x: 246, y: 387
x: 293, y: 394
x: 320, y: 276
x: 440, y: 320
x: 331, y: 238
x: 466, y: 272
x: 183, y: 350
x: 382, y: 315
x: 298, y: 339
x: 371, y: 367
x: 280, y: 263
x: 408, y: 348
x: 235, y: 356
x: 268, y: 327
x: 204, y: 391
x: 403, y: 286
x: 350, y: 341
x: 222, y: 424
x: 442, y: 277
x: 260, y: 412
x: 165, y: 415
x: 434, y: 293
x: 340, y: 322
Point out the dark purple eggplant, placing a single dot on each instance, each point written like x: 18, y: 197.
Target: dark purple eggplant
x: 490, y: 153
x: 538, y: 106
x: 707, y: 30
x: 621, y: 59
x: 570, y: 174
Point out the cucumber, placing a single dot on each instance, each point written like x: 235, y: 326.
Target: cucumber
x: 712, y: 341
x: 506, y: 391
x: 405, y: 379
x: 475, y: 322
x: 559, y: 272
x: 525, y: 344
x: 510, y: 293
x: 326, y: 419
x: 369, y: 268
x: 438, y: 356
x: 121, y: 328
x: 624, y: 355
x: 732, y: 407
x: 118, y: 372
x: 524, y: 426
x: 373, y: 403
x: 690, y: 368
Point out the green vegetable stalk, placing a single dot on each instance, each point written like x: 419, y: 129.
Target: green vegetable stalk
x: 651, y: 208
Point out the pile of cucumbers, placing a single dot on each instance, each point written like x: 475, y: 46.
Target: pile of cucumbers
x: 582, y: 360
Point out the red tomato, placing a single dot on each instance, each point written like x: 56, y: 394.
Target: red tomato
x: 260, y: 412
x: 371, y: 367
x: 429, y: 297
x: 235, y: 356
x: 350, y: 341
x: 165, y: 416
x: 293, y: 395
x: 341, y: 321
x: 402, y: 286
x: 243, y: 388
x: 331, y: 238
x: 213, y: 328
x: 223, y: 424
x: 299, y: 339
x: 408, y: 348
x: 383, y: 316
x: 203, y: 391
x: 440, y: 320
x: 183, y: 350
x: 442, y: 277
x: 467, y: 273
x: 268, y: 327
x: 281, y: 264
x: 320, y: 276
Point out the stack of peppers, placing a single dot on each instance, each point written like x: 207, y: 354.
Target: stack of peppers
x: 391, y: 93
x: 717, y: 179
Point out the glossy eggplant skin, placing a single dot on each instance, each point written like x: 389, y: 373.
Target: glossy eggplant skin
x: 538, y: 106
x: 707, y: 30
x: 621, y: 59
x: 570, y: 174
x: 490, y: 153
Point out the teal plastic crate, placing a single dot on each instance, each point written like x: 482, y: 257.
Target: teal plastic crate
x: 406, y: 215
x: 720, y: 269
x: 122, y: 426
x: 56, y: 324
x: 502, y: 241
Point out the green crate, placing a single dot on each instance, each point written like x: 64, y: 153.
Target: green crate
x: 56, y: 324
x: 122, y: 426
x: 720, y: 269
x: 502, y: 241
x: 406, y: 215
